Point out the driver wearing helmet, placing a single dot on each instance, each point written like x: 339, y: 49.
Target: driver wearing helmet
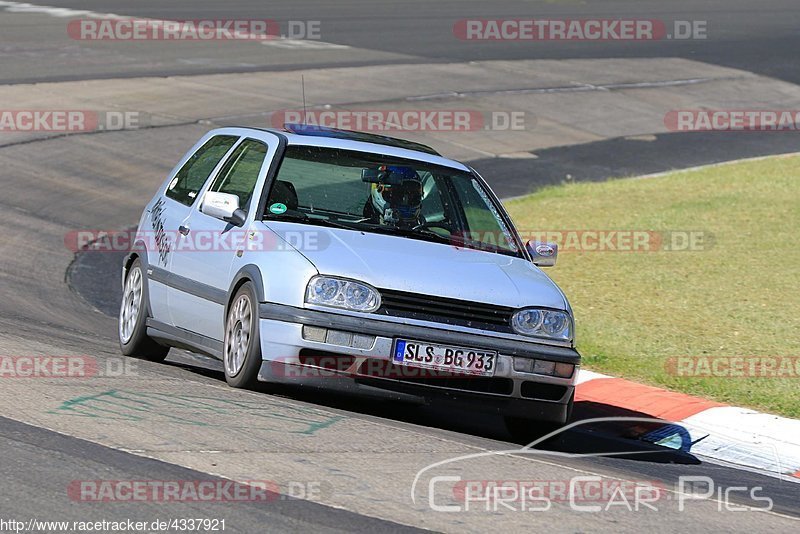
x: 396, y: 199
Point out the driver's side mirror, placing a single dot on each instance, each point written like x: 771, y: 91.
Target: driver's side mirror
x: 223, y: 206
x: 542, y: 254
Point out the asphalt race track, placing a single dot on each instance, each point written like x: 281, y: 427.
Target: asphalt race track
x: 335, y: 463
x: 759, y: 37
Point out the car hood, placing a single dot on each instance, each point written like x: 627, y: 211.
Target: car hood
x: 415, y: 266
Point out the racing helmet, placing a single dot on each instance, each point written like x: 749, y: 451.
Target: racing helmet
x: 397, y: 196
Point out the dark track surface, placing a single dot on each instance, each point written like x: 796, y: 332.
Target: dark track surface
x: 42, y: 464
x: 624, y: 157
x: 91, y: 278
x: 662, y: 465
x: 757, y: 36
x: 761, y: 37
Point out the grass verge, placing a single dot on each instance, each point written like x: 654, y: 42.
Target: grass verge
x: 734, y: 293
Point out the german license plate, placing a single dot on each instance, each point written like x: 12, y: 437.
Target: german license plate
x: 444, y: 357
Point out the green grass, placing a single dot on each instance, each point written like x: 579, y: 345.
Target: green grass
x: 737, y: 296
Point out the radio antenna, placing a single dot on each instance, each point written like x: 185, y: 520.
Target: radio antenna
x: 303, y: 85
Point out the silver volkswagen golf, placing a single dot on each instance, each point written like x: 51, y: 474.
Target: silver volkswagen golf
x: 354, y: 262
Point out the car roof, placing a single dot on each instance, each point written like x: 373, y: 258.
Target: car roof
x: 353, y: 135
x: 361, y: 142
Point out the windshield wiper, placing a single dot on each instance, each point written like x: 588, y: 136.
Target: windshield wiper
x: 303, y: 219
x: 422, y: 235
x: 454, y: 240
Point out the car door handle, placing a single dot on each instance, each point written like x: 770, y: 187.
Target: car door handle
x: 184, y: 230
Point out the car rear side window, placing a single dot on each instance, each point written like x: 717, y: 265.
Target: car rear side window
x: 190, y: 179
x: 239, y: 174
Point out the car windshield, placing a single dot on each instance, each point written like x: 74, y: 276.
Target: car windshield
x: 380, y: 194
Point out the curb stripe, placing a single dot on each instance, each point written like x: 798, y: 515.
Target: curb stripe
x: 739, y: 436
x: 652, y: 401
x: 585, y: 376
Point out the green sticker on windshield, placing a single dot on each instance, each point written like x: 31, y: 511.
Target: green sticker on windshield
x: 278, y: 208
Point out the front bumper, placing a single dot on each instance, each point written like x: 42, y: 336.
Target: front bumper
x: 509, y: 392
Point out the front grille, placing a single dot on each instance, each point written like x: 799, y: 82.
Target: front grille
x: 445, y: 310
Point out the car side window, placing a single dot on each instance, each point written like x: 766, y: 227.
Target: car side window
x: 190, y: 178
x: 239, y: 174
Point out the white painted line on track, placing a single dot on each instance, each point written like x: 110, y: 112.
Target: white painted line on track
x: 299, y: 44
x: 60, y: 12
x: 63, y: 12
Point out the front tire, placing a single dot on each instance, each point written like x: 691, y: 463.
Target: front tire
x: 241, y: 353
x: 133, y: 338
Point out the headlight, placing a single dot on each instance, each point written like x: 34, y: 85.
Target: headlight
x: 543, y: 323
x: 340, y: 293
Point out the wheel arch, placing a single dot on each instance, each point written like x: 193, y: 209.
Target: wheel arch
x: 137, y: 251
x: 248, y: 273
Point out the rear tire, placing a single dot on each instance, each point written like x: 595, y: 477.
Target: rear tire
x: 241, y: 352
x: 132, y: 331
